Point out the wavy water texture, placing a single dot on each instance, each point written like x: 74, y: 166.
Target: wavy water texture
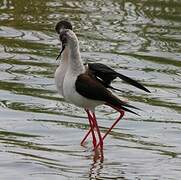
x: 40, y: 132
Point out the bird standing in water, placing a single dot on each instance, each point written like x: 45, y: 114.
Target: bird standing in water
x: 87, y: 85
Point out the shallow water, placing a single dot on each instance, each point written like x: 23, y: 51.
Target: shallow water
x: 40, y: 133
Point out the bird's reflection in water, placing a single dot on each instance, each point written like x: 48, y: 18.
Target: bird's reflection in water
x: 97, y: 162
x: 96, y: 153
x: 96, y: 166
x: 97, y: 169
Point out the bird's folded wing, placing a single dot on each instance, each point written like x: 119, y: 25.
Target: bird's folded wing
x: 108, y: 75
x: 91, y: 88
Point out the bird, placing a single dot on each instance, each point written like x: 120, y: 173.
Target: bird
x: 88, y: 85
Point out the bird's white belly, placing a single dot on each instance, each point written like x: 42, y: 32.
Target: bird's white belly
x: 59, y: 78
x: 72, y: 96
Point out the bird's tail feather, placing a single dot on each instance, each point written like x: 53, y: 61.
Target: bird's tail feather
x: 132, y: 82
x: 118, y: 104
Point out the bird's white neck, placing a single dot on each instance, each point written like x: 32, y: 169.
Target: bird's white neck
x: 61, y: 71
x: 65, y: 56
x: 75, y: 62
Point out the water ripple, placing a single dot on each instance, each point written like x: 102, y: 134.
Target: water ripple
x: 40, y: 133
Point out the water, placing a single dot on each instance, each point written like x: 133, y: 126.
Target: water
x: 40, y: 133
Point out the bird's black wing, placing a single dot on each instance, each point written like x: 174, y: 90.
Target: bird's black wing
x: 90, y: 88
x: 107, y: 75
x: 103, y: 72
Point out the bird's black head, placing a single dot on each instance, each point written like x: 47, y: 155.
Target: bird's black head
x: 61, y: 25
x: 67, y: 38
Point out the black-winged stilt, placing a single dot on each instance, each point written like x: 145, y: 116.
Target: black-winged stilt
x: 87, y: 85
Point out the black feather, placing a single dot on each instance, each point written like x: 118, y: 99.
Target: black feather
x: 89, y: 87
x: 108, y: 75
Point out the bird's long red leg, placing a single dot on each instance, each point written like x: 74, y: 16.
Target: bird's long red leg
x: 99, y: 135
x: 86, y: 136
x: 117, y: 120
x: 113, y: 125
x: 91, y: 129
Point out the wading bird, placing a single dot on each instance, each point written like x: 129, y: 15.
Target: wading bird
x: 87, y: 85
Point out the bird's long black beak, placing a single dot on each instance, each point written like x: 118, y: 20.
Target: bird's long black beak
x: 63, y: 47
x: 63, y: 40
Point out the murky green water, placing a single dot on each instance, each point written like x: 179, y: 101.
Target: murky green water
x: 40, y: 133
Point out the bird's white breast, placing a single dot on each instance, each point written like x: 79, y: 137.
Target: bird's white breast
x: 59, y: 78
x: 72, y: 96
x: 60, y: 72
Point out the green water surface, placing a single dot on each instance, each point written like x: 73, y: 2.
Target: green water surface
x: 40, y: 133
